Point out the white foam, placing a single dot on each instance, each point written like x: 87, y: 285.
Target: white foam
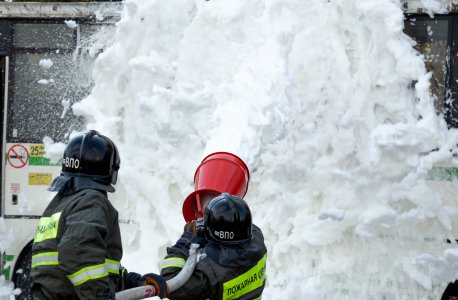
x: 434, y: 7
x: 95, y: 48
x: 441, y: 269
x: 316, y: 98
x: 314, y: 289
x: 332, y: 213
x: 43, y: 81
x: 25, y: 204
x: 53, y: 151
x: 71, y: 24
x: 66, y: 105
x: 46, y: 63
x: 6, y: 236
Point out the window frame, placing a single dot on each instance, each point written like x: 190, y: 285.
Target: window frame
x: 36, y: 50
x: 449, y: 87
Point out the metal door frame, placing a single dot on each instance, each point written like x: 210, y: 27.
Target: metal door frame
x: 4, y: 105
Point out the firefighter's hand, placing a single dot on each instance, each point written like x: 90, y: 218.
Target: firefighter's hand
x: 194, y: 229
x: 131, y: 280
x: 162, y: 289
x: 190, y: 227
x: 191, y: 232
x: 189, y: 237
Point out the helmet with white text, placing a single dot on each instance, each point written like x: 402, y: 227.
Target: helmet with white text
x: 228, y: 220
x: 92, y: 155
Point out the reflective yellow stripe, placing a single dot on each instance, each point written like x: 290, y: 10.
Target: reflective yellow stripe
x: 45, y: 259
x: 47, y: 263
x: 175, y: 258
x: 247, y: 282
x: 113, y: 266
x: 112, y: 261
x: 172, y: 265
x: 45, y: 254
x: 173, y: 262
x: 88, y: 273
x: 47, y: 228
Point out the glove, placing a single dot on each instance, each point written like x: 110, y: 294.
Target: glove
x: 162, y: 289
x: 190, y: 227
x: 189, y: 237
x: 111, y: 295
x: 131, y: 280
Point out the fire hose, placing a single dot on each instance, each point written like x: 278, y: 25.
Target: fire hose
x: 174, y: 283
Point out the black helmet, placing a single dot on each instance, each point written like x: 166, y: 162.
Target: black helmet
x: 228, y: 220
x: 92, y: 155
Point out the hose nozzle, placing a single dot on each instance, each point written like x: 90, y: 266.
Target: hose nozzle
x: 200, y: 227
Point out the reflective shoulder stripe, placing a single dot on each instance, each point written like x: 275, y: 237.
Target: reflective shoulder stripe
x: 88, y: 273
x: 173, y: 262
x: 113, y: 266
x: 175, y: 258
x: 47, y: 228
x: 247, y: 282
x: 172, y: 265
x: 43, y: 259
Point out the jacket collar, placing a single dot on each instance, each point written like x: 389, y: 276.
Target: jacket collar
x: 243, y: 255
x: 67, y: 185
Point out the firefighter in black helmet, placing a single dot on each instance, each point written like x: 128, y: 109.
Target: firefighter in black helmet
x: 234, y: 264
x: 77, y: 248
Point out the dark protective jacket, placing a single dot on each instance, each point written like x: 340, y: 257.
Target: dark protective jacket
x: 223, y: 272
x: 77, y: 249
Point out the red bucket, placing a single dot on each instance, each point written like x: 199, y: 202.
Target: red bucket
x: 220, y: 172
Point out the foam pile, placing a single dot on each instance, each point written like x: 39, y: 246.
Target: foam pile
x: 316, y: 97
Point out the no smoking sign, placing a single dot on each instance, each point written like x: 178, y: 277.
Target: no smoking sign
x: 18, y: 156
